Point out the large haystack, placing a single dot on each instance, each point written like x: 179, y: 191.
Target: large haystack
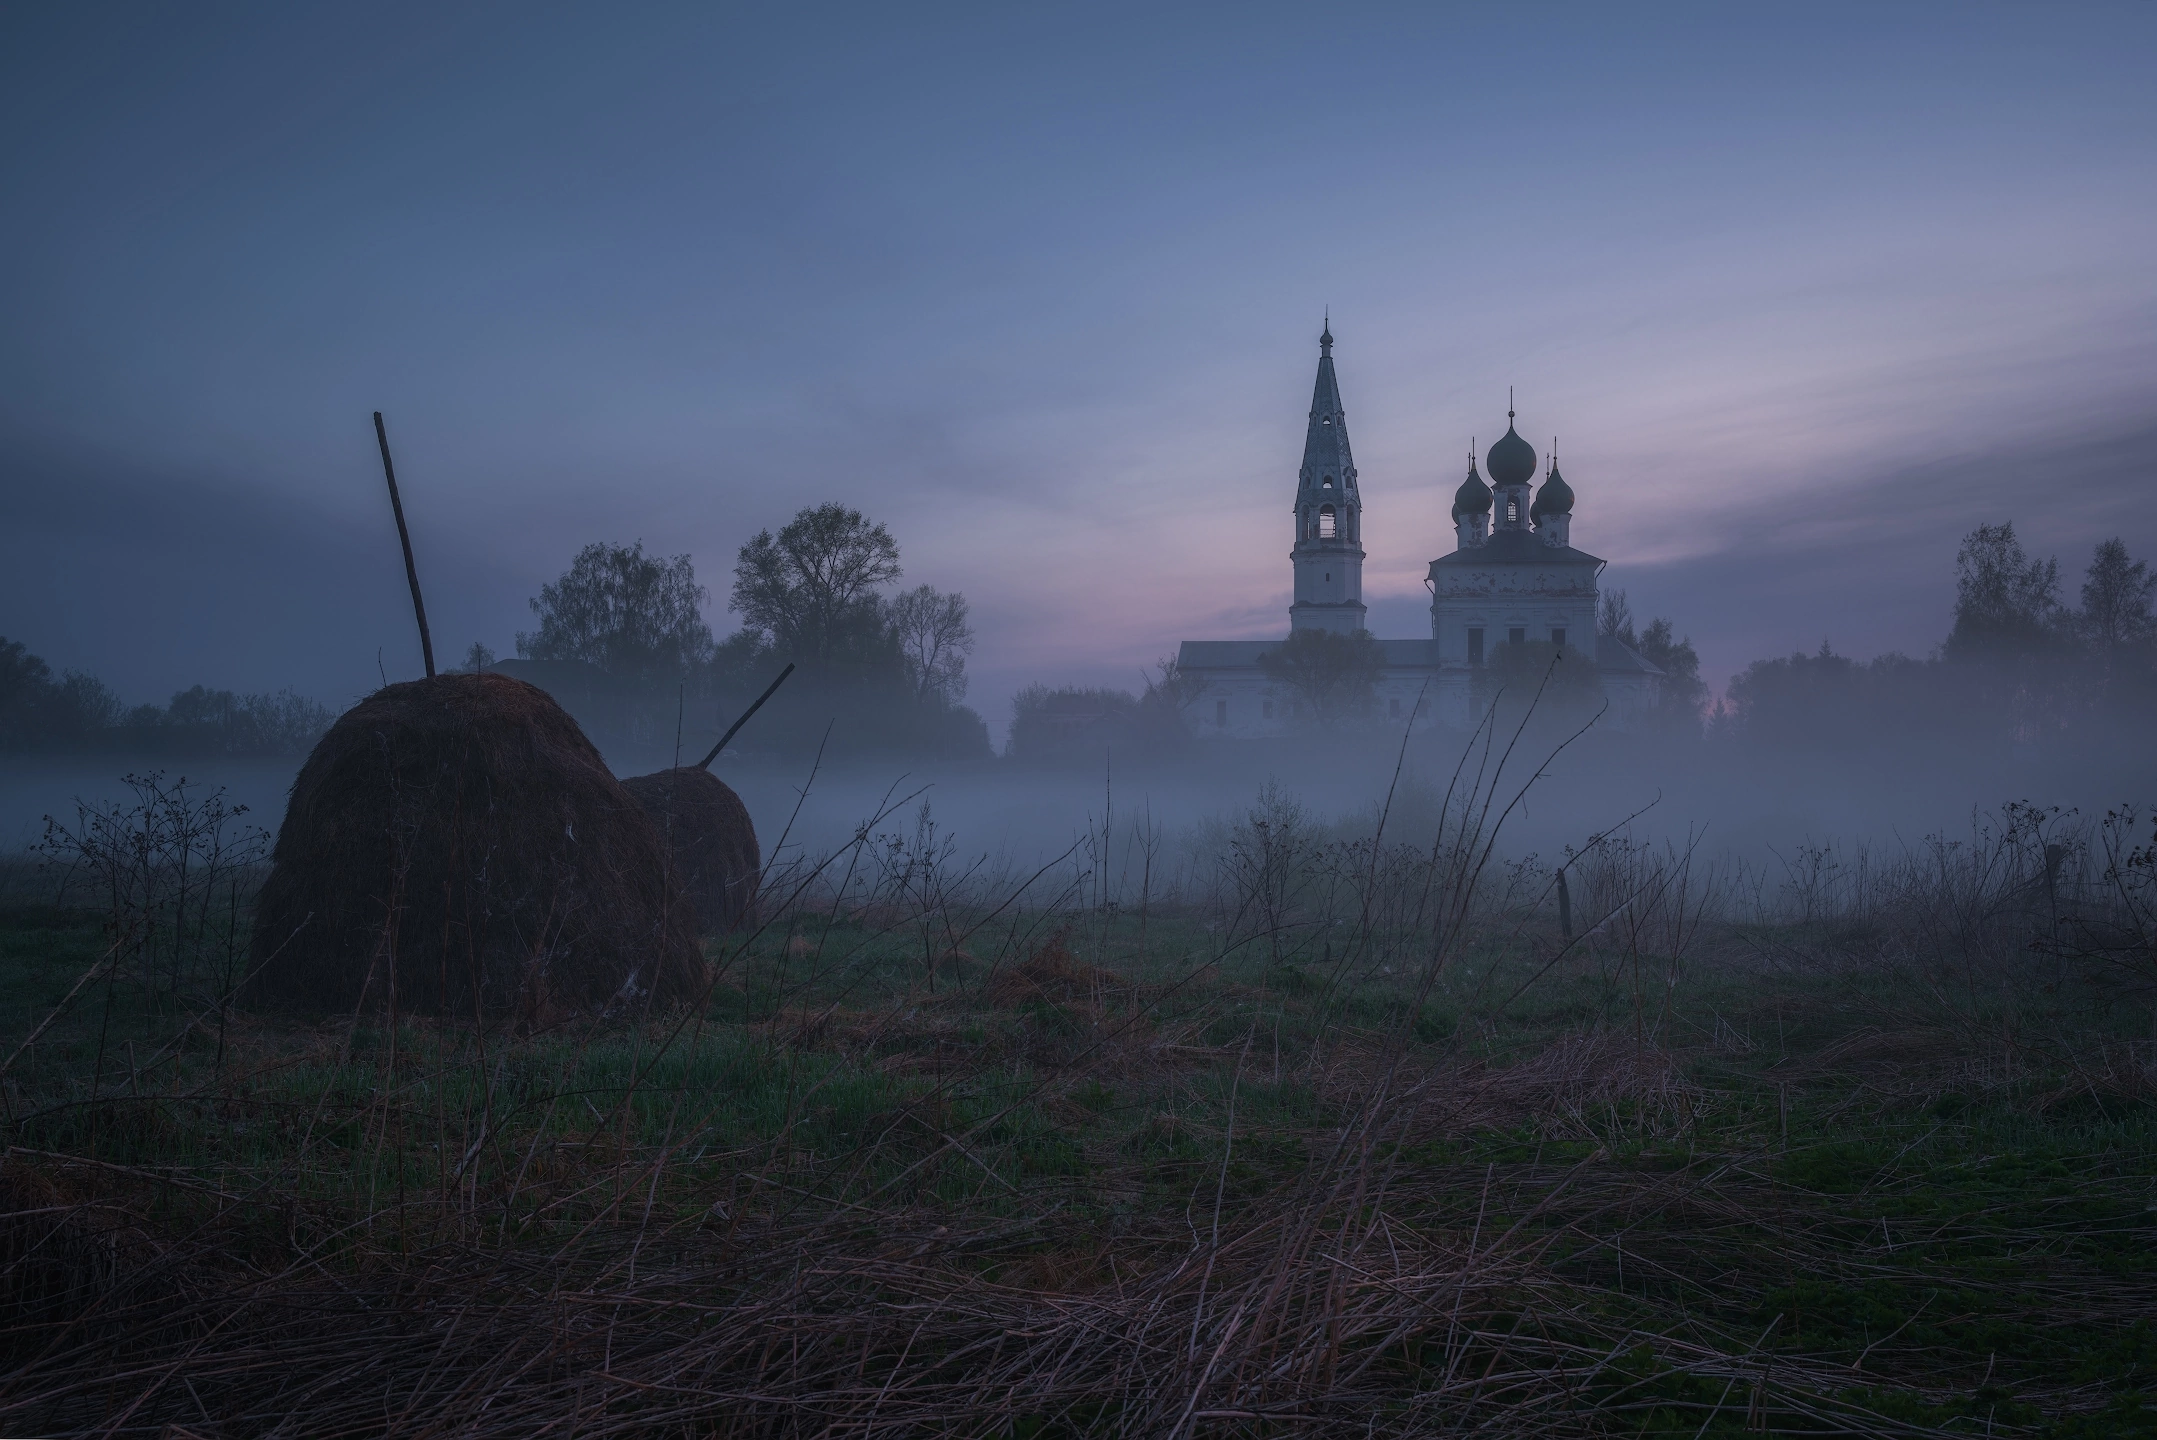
x: 714, y: 844
x: 456, y: 844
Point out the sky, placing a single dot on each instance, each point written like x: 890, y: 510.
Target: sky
x: 1803, y: 292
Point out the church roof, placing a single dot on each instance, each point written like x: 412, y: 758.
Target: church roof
x: 1517, y: 547
x: 1325, y: 445
x: 1555, y: 497
x: 1611, y: 653
x: 1512, y: 460
x: 1473, y: 497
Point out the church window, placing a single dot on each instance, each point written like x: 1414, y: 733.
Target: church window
x: 1516, y: 636
x: 1512, y: 512
x: 1325, y: 522
x: 1475, y: 645
x: 1220, y: 713
x: 1557, y: 635
x: 1327, y: 483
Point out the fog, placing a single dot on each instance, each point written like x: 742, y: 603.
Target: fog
x: 1810, y: 295
x: 1715, y: 795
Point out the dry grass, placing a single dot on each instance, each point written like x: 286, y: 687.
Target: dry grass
x: 990, y: 1167
x: 1360, y: 1294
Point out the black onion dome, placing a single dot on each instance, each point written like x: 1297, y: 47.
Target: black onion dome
x: 1554, y: 498
x: 1473, y: 497
x: 1512, y: 460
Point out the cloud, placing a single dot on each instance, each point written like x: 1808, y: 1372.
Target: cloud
x: 1866, y: 560
x: 159, y: 580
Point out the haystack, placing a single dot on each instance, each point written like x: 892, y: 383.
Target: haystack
x: 713, y: 842
x: 455, y: 845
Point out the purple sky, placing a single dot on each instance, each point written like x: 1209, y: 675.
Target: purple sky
x: 1804, y: 293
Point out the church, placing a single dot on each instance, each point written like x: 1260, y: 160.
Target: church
x: 1512, y: 578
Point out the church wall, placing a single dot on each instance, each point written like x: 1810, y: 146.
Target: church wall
x: 1329, y: 578
x: 1260, y: 709
x: 1505, y: 598
x: 1537, y: 621
x: 1238, y: 707
x: 1631, y: 697
x: 1518, y: 577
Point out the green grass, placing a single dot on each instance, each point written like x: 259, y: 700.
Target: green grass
x: 1945, y: 1217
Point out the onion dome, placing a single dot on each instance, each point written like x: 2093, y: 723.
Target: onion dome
x: 1473, y: 497
x: 1512, y: 460
x: 1555, y: 497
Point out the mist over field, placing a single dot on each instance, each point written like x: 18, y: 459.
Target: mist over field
x: 831, y: 720
x: 1887, y: 788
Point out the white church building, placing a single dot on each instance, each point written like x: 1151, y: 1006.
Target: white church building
x: 1513, y: 576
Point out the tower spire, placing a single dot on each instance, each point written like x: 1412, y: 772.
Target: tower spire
x: 1328, y: 553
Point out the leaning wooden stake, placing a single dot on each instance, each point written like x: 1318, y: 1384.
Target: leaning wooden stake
x: 404, y: 536
x: 706, y: 762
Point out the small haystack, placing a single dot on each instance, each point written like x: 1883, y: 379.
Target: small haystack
x: 456, y: 844
x: 714, y: 844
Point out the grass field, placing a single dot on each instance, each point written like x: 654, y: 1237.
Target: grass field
x: 1323, y: 1137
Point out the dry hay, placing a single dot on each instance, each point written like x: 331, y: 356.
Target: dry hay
x: 53, y: 1253
x: 1568, y: 1088
x: 456, y: 845
x: 1913, y: 1060
x: 1334, y: 1308
x: 713, y: 842
x: 1053, y: 974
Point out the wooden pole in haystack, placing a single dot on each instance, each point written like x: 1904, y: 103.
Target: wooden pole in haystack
x: 706, y: 762
x: 404, y: 537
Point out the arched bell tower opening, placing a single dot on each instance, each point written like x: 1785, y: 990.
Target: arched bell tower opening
x: 1328, y: 552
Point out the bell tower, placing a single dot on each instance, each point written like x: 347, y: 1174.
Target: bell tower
x: 1328, y: 553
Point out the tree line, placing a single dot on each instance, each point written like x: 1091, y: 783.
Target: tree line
x: 881, y: 669
x: 2020, y: 664
x: 77, y: 712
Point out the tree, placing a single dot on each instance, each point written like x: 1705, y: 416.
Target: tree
x: 480, y: 657
x: 635, y: 616
x: 2007, y: 605
x: 25, y: 684
x: 934, y: 641
x: 2116, y: 598
x: 84, y: 706
x: 1333, y: 675
x: 1684, y: 692
x: 811, y: 588
x: 37, y: 710
x: 1856, y: 711
x: 218, y: 722
x: 1069, y: 721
